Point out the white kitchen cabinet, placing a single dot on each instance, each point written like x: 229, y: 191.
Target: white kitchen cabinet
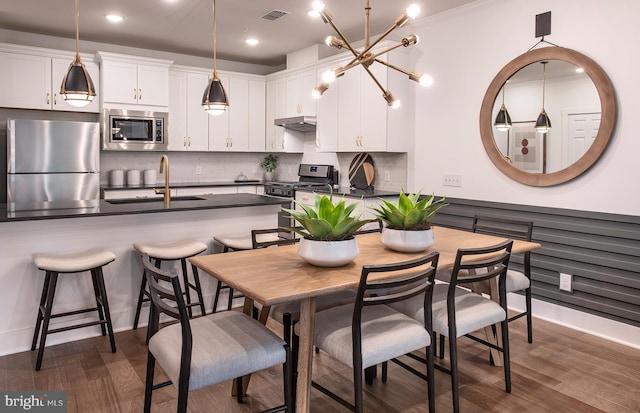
x: 31, y: 79
x: 277, y: 138
x: 131, y: 80
x: 241, y: 128
x: 328, y: 115
x: 188, y: 122
x: 298, y: 99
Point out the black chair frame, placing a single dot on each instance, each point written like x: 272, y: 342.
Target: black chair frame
x: 158, y: 294
x: 410, y: 282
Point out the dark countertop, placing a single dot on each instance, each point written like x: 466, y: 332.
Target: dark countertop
x: 160, y: 184
x: 356, y: 193
x: 141, y: 206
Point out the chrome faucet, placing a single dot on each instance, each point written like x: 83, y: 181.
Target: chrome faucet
x: 167, y: 193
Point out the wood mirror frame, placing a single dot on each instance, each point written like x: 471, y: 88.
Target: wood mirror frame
x: 605, y: 131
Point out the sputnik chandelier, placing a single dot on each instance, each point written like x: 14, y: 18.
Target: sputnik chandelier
x: 367, y: 56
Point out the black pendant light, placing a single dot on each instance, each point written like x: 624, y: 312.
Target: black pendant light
x: 543, y: 123
x: 214, y: 100
x: 503, y: 120
x: 77, y: 87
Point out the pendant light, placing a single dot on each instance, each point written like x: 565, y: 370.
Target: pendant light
x: 543, y: 124
x: 77, y: 87
x: 214, y: 100
x: 503, y: 120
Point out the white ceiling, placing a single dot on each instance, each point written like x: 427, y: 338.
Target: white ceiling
x: 186, y: 26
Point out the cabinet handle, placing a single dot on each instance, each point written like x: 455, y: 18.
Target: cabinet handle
x: 48, y: 98
x: 231, y: 142
x: 55, y: 98
x: 299, y: 108
x: 135, y: 93
x: 189, y: 140
x: 184, y: 141
x: 139, y: 94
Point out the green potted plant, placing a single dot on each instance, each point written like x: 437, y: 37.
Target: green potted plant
x: 408, y: 221
x: 327, y: 231
x: 269, y: 163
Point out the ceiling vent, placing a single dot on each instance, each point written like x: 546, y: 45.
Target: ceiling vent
x: 274, y: 15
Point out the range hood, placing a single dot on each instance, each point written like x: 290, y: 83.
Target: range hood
x: 298, y: 123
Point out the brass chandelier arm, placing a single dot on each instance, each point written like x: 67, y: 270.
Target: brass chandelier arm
x: 374, y: 79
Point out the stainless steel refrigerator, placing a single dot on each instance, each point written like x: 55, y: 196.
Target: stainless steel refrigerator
x: 52, y: 164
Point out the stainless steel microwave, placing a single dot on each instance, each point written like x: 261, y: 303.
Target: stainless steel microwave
x: 134, y: 130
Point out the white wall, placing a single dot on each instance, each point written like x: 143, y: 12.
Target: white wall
x: 464, y: 49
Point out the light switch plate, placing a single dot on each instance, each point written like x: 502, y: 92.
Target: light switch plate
x: 566, y: 282
x: 452, y: 180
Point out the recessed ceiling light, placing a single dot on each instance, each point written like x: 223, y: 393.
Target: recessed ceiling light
x: 252, y: 41
x: 114, y: 18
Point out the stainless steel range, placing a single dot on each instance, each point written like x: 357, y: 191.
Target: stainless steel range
x: 310, y: 176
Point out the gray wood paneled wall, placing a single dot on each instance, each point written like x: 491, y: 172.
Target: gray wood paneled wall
x: 601, y: 251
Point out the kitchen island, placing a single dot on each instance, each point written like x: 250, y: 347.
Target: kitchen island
x: 114, y: 226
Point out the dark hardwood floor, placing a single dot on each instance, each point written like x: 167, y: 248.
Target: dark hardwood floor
x: 562, y: 371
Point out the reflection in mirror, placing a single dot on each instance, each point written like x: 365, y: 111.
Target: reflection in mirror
x: 571, y: 102
x: 582, y: 108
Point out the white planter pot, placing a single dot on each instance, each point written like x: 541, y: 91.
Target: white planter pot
x: 407, y: 241
x: 328, y: 253
x: 268, y: 176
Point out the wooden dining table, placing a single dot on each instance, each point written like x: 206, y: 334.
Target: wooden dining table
x: 272, y: 276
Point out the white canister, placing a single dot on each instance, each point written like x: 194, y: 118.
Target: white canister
x: 116, y: 177
x: 133, y: 177
x: 150, y: 176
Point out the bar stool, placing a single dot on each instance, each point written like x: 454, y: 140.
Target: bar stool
x: 54, y: 264
x: 179, y: 250
x: 236, y: 242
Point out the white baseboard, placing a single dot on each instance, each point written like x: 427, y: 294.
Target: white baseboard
x: 598, y: 326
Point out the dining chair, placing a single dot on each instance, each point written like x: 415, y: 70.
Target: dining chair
x: 240, y: 242
x: 459, y: 311
x: 207, y: 350
x: 368, y: 331
x: 516, y: 280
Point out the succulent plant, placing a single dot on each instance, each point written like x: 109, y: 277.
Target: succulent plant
x: 326, y: 221
x: 410, y: 212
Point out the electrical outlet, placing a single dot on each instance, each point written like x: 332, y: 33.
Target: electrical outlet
x: 566, y: 282
x: 387, y: 176
x: 198, y: 169
x: 452, y: 180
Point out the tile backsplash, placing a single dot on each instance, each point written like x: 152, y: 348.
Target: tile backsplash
x: 390, y: 168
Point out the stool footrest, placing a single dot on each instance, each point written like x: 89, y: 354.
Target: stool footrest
x: 86, y: 310
x: 91, y: 323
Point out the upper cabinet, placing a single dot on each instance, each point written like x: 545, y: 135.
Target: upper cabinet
x: 365, y: 121
x: 188, y: 122
x: 242, y: 127
x: 30, y: 78
x: 298, y: 94
x: 129, y: 80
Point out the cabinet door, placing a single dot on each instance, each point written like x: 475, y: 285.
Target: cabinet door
x: 270, y: 116
x: 292, y: 99
x: 278, y: 143
x: 308, y: 104
x: 120, y: 82
x: 177, y: 111
x: 373, y: 110
x: 197, y: 118
x: 59, y: 69
x: 25, y: 81
x: 349, y: 110
x: 257, y: 101
x: 239, y: 115
x: 328, y: 114
x: 153, y: 82
x: 219, y: 139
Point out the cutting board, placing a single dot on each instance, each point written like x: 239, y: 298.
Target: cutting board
x: 361, y: 171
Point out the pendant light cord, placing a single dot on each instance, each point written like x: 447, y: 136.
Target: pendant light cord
x: 77, y: 31
x: 214, y: 36
x: 544, y: 80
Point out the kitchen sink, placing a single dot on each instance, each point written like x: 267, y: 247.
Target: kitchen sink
x: 158, y: 199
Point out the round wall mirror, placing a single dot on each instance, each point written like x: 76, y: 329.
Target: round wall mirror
x: 579, y: 101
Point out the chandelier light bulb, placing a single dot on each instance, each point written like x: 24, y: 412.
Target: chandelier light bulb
x: 426, y: 80
x: 318, y: 6
x: 329, y: 76
x: 413, y: 11
x: 319, y: 90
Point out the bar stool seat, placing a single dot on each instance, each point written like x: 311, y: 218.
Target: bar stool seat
x: 237, y: 242
x: 173, y: 251
x: 54, y: 264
